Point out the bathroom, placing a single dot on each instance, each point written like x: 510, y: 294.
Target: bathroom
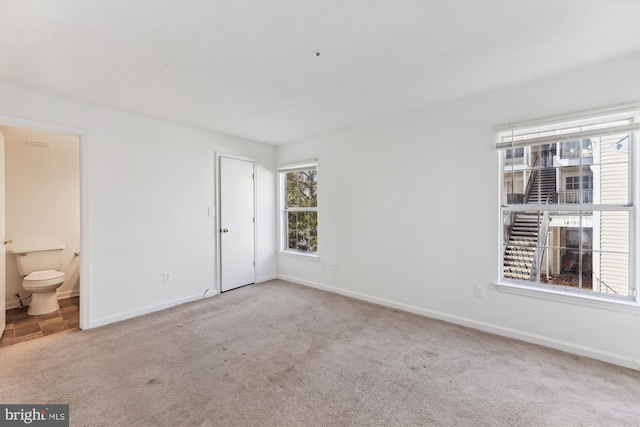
x: 42, y: 209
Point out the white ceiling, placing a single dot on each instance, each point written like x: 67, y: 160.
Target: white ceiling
x: 246, y: 68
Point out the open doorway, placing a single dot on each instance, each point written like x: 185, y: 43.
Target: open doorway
x: 42, y: 209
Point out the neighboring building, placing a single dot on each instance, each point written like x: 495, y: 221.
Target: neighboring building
x: 585, y: 249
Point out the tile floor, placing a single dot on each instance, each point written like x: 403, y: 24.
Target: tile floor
x: 22, y: 327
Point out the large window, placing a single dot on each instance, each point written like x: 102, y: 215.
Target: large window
x: 569, y: 217
x: 299, y: 207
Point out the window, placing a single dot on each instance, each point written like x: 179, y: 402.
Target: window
x: 299, y: 207
x: 514, y: 156
x: 577, y: 189
x: 569, y: 217
x: 576, y: 149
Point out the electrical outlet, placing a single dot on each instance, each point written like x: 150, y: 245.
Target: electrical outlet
x: 166, y: 277
x: 479, y: 291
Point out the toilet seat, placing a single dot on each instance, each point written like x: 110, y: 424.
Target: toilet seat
x: 39, y: 279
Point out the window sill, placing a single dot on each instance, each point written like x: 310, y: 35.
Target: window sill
x: 569, y: 297
x: 301, y: 255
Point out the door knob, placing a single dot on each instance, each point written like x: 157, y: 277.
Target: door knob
x: 225, y: 230
x: 7, y: 241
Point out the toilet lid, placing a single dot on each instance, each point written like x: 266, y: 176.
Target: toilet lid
x: 45, y: 275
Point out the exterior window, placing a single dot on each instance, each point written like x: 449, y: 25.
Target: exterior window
x: 514, y: 156
x: 569, y: 217
x: 299, y: 201
x: 577, y: 189
x: 576, y: 148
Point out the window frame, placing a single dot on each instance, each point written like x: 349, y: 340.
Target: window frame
x: 284, y: 210
x: 565, y: 293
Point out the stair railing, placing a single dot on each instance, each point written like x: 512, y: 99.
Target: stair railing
x: 532, y: 178
x: 541, y: 245
x: 605, y: 285
x: 512, y: 216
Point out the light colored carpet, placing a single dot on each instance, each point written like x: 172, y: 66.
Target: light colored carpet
x: 278, y: 354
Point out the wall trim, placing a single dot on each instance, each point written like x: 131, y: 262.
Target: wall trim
x: 150, y: 309
x: 68, y: 294
x: 266, y: 278
x: 11, y: 304
x: 85, y: 222
x: 217, y: 187
x: 61, y: 295
x: 604, y: 356
x: 569, y: 297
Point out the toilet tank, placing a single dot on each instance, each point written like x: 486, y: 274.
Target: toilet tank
x: 38, y: 258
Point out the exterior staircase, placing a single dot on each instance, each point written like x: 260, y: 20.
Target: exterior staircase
x: 521, y: 248
x: 520, y: 253
x: 543, y: 189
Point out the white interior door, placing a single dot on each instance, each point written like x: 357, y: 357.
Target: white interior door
x: 3, y: 315
x: 237, y: 230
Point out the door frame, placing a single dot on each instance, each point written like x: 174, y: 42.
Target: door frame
x: 218, y: 209
x: 3, y: 236
x: 85, y: 247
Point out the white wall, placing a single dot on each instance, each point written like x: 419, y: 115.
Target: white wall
x: 42, y: 202
x: 3, y: 314
x: 408, y: 212
x: 146, y: 186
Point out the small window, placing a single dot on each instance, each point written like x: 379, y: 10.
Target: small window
x: 577, y: 189
x: 299, y: 202
x: 582, y: 148
x: 514, y: 156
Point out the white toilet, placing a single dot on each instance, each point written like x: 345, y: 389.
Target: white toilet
x: 40, y: 267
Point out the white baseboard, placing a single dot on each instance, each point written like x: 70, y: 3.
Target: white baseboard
x: 10, y: 305
x: 149, y: 309
x: 266, y: 278
x: 61, y: 295
x: 68, y: 294
x: 153, y: 308
x: 580, y: 350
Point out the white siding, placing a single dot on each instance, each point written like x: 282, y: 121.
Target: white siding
x: 614, y: 226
